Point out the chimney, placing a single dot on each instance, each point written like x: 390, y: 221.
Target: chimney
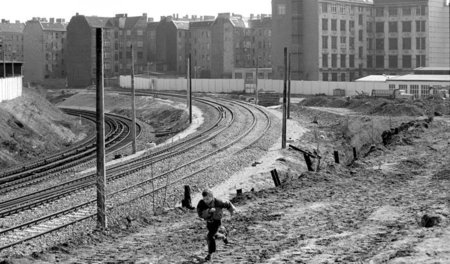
x: 150, y: 19
x: 144, y: 14
x: 52, y: 20
x: 251, y: 16
x: 77, y: 14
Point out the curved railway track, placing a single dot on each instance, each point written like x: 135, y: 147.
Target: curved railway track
x: 191, y: 150
x: 117, y: 136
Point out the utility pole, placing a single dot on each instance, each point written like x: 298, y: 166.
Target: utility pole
x: 289, y: 88
x: 283, y: 132
x: 256, y: 82
x: 189, y: 88
x: 133, y: 103
x: 101, y: 173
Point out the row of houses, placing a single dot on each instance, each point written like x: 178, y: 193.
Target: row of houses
x: 328, y: 40
x: 55, y: 49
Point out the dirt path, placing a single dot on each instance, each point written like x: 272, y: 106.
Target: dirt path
x: 368, y: 213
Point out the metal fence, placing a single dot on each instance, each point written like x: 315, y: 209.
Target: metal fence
x: 10, y: 88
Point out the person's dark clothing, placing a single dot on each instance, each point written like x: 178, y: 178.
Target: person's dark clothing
x: 213, y: 219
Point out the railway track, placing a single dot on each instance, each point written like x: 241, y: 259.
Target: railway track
x: 117, y: 137
x: 191, y: 151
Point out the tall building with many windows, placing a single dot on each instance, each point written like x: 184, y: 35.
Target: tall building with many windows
x: 44, y: 47
x: 343, y: 40
x: 11, y: 40
x: 129, y: 31
x: 407, y: 34
x: 80, y: 55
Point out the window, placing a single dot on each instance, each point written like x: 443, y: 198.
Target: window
x: 333, y: 9
x: 369, y: 27
x: 325, y: 76
x: 325, y: 60
x: 140, y: 32
x: 140, y: 44
x: 352, y: 25
x: 369, y: 62
x: 333, y: 24
x: 140, y: 55
x: 379, y: 27
x: 420, y: 26
x: 238, y: 75
x: 406, y: 11
x: 379, y: 11
x: 406, y: 43
x: 393, y: 44
x: 343, y: 40
x: 379, y: 61
x: 392, y: 11
x: 128, y: 32
x: 360, y: 52
x: 281, y: 9
x: 420, y: 43
x: 343, y: 25
x: 360, y: 35
x: 324, y: 24
x: 393, y: 61
x: 334, y: 77
x: 351, y: 43
x: 406, y: 26
x: 406, y: 62
x: 343, y: 60
x: 334, y: 60
x: 360, y: 19
x: 379, y: 44
x: 369, y: 44
x: 393, y: 27
x: 352, y: 61
x: 420, y: 11
x: 334, y: 42
x: 343, y: 77
x: 324, y: 42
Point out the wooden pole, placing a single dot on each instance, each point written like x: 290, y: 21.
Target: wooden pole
x: 289, y: 88
x: 133, y: 104
x: 256, y: 83
x: 283, y: 133
x: 189, y: 88
x: 101, y: 174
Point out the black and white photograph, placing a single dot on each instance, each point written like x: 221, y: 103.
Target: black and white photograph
x: 232, y: 132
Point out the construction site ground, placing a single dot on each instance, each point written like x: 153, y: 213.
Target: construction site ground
x: 390, y: 205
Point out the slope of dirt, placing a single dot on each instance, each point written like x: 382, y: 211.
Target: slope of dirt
x: 382, y: 106
x: 31, y: 128
x: 375, y: 209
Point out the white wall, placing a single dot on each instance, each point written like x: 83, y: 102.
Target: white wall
x: 10, y: 88
x: 231, y: 85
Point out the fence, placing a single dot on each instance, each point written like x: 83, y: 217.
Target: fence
x: 233, y: 85
x: 10, y: 88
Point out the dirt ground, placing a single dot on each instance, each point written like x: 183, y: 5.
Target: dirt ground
x: 391, y: 205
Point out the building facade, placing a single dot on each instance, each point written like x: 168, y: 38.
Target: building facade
x: 11, y: 41
x: 343, y: 40
x: 129, y: 31
x: 171, y: 45
x: 150, y: 45
x: 44, y: 47
x: 80, y: 56
x: 200, y: 45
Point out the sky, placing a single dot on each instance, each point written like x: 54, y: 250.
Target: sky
x: 26, y: 9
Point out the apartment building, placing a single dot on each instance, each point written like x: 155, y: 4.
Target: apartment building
x: 11, y: 40
x: 257, y: 42
x: 171, y: 45
x: 150, y: 45
x: 129, y: 31
x: 343, y: 40
x: 44, y: 45
x: 80, y: 56
x: 227, y: 33
x: 200, y: 45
